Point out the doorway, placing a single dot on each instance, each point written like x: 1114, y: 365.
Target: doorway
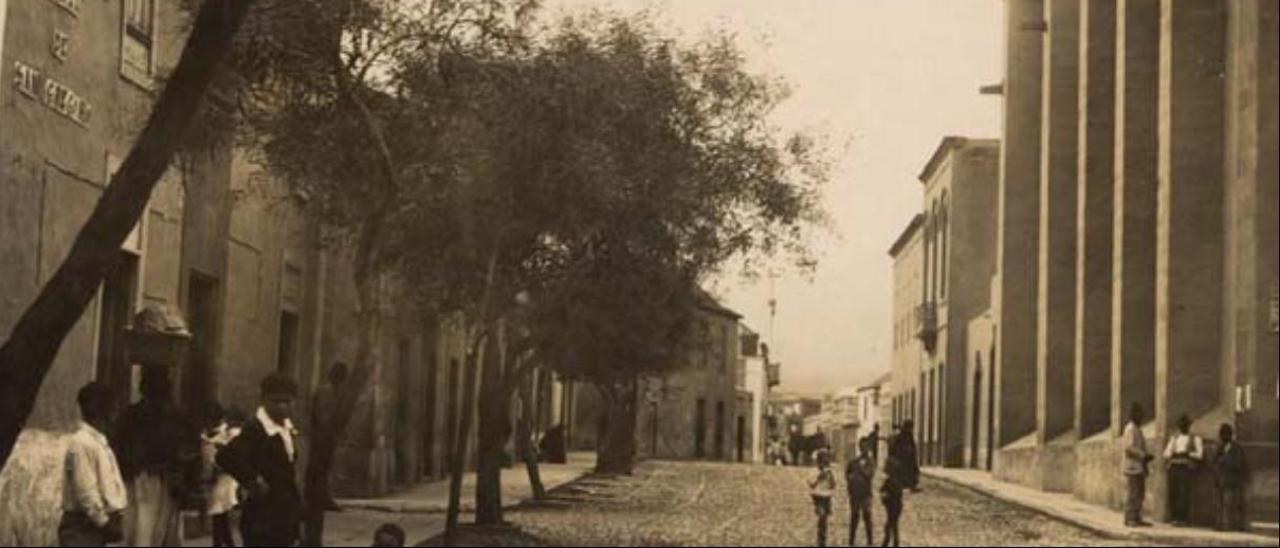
x: 700, y: 429
x: 116, y: 312
x: 975, y: 442
x: 719, y: 431
x: 286, y: 352
x: 199, y: 378
x: 742, y: 438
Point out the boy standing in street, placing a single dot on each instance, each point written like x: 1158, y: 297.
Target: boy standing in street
x: 858, y: 474
x: 262, y: 460
x: 93, y: 494
x: 821, y: 489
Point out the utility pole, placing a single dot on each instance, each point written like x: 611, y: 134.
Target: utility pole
x: 773, y: 308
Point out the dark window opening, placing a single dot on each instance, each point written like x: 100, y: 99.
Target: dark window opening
x: 117, y: 309
x: 286, y: 352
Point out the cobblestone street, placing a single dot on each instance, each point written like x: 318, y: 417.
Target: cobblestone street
x: 703, y: 504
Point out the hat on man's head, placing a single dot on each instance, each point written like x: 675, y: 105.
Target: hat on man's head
x: 279, y: 384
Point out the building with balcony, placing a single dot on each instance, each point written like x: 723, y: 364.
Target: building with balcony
x: 757, y: 376
x: 943, y: 263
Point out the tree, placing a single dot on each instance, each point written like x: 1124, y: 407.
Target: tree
x: 324, y: 109
x: 673, y: 171
x: 33, y: 343
x: 599, y: 146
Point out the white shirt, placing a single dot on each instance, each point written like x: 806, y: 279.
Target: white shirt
x: 285, y: 431
x: 91, y: 477
x: 1184, y: 445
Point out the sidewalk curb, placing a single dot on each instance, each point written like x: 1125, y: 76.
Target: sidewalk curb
x: 1107, y: 533
x: 405, y: 506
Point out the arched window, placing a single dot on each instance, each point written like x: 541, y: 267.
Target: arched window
x: 933, y: 252
x: 944, y: 222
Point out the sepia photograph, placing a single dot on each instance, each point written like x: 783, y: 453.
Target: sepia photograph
x: 601, y: 273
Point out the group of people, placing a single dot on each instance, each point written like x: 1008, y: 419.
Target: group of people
x: 1184, y: 458
x: 902, y: 473
x: 130, y: 482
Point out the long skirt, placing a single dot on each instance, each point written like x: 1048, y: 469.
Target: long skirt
x: 153, y: 517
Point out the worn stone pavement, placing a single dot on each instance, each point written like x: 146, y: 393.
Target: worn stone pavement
x: 708, y: 504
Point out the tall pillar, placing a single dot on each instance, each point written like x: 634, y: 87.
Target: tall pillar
x: 1055, y: 361
x: 1096, y: 171
x: 1190, y: 224
x: 1251, y: 353
x: 1134, y: 269
x: 1190, y: 221
x: 1019, y: 213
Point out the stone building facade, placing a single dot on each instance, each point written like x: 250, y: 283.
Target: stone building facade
x: 244, y: 268
x: 754, y: 377
x: 956, y: 259
x: 693, y: 413
x: 1137, y: 239
x: 907, y: 253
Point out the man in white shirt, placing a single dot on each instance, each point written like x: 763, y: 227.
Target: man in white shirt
x: 93, y: 494
x: 1136, y: 462
x: 1182, y: 456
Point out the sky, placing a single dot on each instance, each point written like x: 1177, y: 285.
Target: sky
x: 885, y: 81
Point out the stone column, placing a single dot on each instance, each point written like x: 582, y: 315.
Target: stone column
x: 1019, y: 213
x: 1055, y: 362
x: 1134, y: 271
x: 1190, y: 251
x: 1190, y: 222
x: 1096, y: 186
x: 1251, y: 352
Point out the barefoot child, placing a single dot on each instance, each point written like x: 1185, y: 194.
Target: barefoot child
x: 891, y: 496
x: 221, y: 428
x: 821, y: 489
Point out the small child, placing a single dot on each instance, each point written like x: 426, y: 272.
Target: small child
x: 859, y: 474
x: 389, y: 535
x: 221, y: 428
x: 821, y: 489
x: 891, y: 496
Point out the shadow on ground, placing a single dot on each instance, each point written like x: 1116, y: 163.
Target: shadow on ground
x: 570, y: 497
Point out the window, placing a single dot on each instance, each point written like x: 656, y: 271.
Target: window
x: 139, y: 19
x: 288, y: 343
x: 704, y: 349
x: 945, y: 238
x: 726, y: 344
x: 137, y: 40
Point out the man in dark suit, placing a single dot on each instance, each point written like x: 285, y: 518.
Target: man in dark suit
x: 903, y: 454
x: 262, y: 460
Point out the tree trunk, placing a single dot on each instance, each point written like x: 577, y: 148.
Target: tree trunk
x: 369, y: 319
x: 617, y: 451
x: 525, y: 447
x: 494, y: 431
x: 458, y: 458
x: 33, y: 343
x: 458, y: 445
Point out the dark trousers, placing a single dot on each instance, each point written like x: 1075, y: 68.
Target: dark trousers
x: 1231, y: 514
x: 860, y: 509
x: 76, y: 529
x: 222, y: 530
x: 822, y: 507
x: 1137, y: 486
x: 261, y: 530
x: 893, y: 511
x: 1180, y: 476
